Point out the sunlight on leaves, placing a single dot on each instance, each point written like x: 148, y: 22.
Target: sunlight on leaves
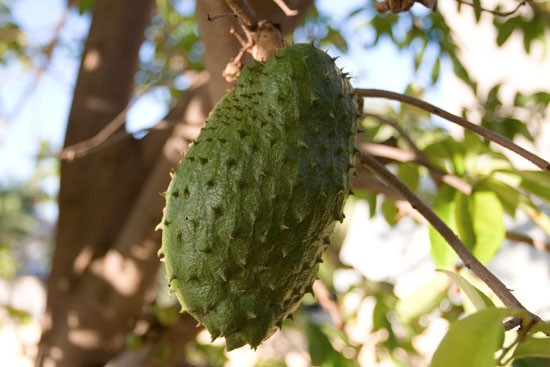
x: 472, y: 341
x: 478, y: 299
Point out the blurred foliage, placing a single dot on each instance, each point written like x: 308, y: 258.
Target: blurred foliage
x: 534, y: 28
x: 13, y: 41
x: 21, y: 217
x: 171, y: 49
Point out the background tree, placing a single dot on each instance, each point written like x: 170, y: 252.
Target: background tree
x: 103, y: 294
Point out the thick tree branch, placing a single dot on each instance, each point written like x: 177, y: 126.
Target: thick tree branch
x: 486, y: 133
x: 467, y: 258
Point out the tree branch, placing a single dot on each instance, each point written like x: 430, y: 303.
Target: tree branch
x: 245, y: 13
x: 419, y: 154
x: 486, y: 133
x: 400, y: 155
x: 288, y: 12
x: 538, y: 244
x: 111, y: 133
x: 399, y: 6
x: 467, y: 258
x: 322, y: 293
x: 495, y: 11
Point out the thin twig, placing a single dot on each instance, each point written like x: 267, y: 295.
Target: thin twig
x: 108, y: 135
x: 329, y: 305
x: 224, y: 15
x: 538, y: 244
x: 47, y: 51
x: 245, y: 13
x: 400, y: 155
x: 419, y: 154
x: 437, y: 175
x: 288, y: 12
x: 387, y: 151
x: 486, y: 133
x: 465, y: 255
x: 84, y: 147
x: 494, y: 12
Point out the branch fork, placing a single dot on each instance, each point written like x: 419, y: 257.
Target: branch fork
x: 263, y: 37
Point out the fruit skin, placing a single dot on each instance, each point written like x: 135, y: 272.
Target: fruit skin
x: 251, y: 206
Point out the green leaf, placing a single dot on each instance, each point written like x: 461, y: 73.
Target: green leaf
x: 477, y: 297
x: 531, y: 362
x: 508, y: 127
x: 390, y: 212
x: 535, y: 347
x: 536, y: 182
x: 505, y: 29
x: 420, y: 56
x: 436, y: 70
x: 532, y: 30
x: 488, y: 225
x: 422, y: 301
x: 372, y: 200
x: 447, y: 155
x: 540, y: 218
x: 479, y: 221
x: 464, y: 220
x: 20, y: 316
x: 409, y: 174
x: 477, y: 10
x: 407, y: 110
x: 385, y: 303
x: 444, y: 206
x: 540, y: 327
x: 472, y: 341
x: 335, y: 38
x: 321, y: 350
x: 383, y: 24
x: 85, y: 5
x: 508, y: 195
x: 539, y: 100
x: 492, y: 98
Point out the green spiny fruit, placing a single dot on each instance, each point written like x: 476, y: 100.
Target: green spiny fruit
x: 251, y: 206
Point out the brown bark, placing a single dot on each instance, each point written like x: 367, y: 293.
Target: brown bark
x: 105, y: 265
x: 80, y: 329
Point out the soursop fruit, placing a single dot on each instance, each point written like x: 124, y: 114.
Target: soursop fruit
x: 252, y: 204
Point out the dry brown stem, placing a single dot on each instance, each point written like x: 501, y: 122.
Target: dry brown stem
x: 263, y: 37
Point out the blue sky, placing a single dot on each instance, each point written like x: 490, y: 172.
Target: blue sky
x: 46, y: 107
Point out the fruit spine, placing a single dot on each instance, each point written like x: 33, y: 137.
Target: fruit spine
x: 251, y: 206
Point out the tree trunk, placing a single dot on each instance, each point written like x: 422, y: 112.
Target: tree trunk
x: 105, y: 266
x: 81, y: 327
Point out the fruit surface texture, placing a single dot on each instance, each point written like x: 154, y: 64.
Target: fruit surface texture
x: 252, y: 204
